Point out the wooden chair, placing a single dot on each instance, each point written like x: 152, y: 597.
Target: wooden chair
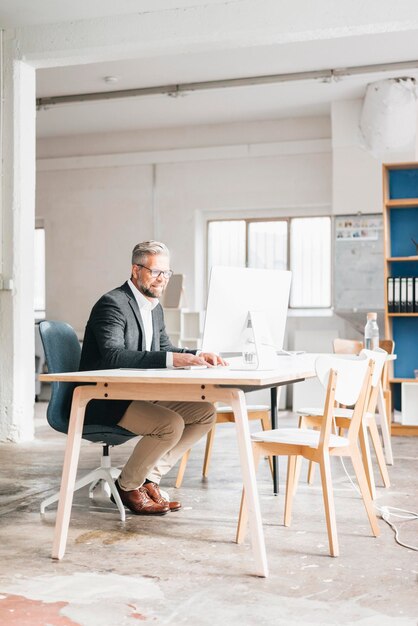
x: 224, y: 414
x: 348, y: 346
x: 348, y: 382
x: 312, y: 418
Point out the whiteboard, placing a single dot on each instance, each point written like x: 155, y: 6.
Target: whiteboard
x: 358, y: 269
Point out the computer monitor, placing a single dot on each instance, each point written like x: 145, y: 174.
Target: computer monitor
x: 233, y: 293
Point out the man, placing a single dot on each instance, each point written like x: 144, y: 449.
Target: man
x: 126, y: 329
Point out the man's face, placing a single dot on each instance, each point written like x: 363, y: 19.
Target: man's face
x: 149, y: 286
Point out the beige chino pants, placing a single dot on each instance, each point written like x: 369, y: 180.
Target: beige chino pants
x: 168, y: 429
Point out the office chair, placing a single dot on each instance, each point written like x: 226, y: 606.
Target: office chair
x: 62, y: 353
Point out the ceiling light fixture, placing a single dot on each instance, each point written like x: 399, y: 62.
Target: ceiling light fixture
x: 388, y: 119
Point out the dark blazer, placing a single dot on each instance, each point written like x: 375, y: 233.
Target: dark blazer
x: 115, y: 338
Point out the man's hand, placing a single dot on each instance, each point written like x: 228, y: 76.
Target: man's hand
x: 182, y: 359
x: 212, y: 359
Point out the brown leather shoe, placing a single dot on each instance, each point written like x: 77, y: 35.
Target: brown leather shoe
x: 139, y: 502
x: 154, y: 492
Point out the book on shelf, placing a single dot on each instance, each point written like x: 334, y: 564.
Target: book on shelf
x: 403, y: 295
x: 390, y: 295
x: 410, y: 294
x: 396, y: 294
x: 416, y: 294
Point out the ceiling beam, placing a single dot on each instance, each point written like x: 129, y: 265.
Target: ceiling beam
x: 176, y: 90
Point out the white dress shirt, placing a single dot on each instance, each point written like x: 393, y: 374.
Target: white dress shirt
x: 145, y: 307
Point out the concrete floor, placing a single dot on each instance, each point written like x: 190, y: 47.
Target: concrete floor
x: 184, y: 568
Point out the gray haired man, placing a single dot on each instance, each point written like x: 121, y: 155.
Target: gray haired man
x: 126, y: 329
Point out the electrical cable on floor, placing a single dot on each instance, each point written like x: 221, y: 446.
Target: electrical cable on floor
x: 385, y: 513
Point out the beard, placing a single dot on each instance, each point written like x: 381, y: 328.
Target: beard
x: 152, y: 292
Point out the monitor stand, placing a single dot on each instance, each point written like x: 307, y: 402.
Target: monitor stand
x: 258, y: 351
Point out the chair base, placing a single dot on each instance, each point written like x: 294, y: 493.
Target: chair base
x: 103, y: 477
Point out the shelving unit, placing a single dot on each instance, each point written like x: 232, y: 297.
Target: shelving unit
x: 183, y: 327
x: 400, y: 221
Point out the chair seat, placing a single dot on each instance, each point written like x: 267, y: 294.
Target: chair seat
x: 109, y: 435
x: 250, y: 407
x: 317, y: 412
x: 298, y: 436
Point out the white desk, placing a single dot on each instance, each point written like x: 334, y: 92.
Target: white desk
x: 214, y: 384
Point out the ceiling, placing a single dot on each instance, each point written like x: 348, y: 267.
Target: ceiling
x: 232, y: 104
x: 15, y: 13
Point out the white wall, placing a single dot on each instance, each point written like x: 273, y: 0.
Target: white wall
x: 94, y: 215
x: 92, y: 219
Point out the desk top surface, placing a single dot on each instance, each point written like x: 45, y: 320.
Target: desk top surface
x: 290, y: 368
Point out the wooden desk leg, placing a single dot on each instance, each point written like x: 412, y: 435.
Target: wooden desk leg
x: 69, y: 472
x: 248, y: 475
x: 383, y: 418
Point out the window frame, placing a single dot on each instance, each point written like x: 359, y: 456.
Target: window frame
x: 40, y: 314
x: 288, y: 220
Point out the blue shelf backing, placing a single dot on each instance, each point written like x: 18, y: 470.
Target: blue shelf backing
x: 405, y: 268
x: 403, y: 183
x: 405, y: 336
x: 403, y: 227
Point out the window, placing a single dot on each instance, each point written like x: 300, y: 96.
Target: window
x: 267, y: 245
x: 226, y: 243
x: 302, y: 244
x: 39, y: 274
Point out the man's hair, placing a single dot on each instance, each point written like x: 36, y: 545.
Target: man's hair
x: 145, y: 248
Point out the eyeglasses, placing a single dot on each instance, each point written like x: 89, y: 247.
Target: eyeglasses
x: 157, y: 273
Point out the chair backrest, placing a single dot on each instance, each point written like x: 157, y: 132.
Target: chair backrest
x: 347, y: 346
x: 351, y: 346
x: 62, y: 353
x: 379, y: 357
x: 348, y: 382
x: 388, y: 345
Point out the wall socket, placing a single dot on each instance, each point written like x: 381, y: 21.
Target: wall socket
x: 6, y: 284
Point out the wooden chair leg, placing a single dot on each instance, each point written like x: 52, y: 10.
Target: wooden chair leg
x: 182, y: 468
x: 311, y: 472
x: 208, y: 450
x: 266, y: 425
x: 374, y: 436
x: 298, y: 467
x: 367, y: 461
x: 290, y: 489
x: 328, y: 495
x: 243, y: 510
x: 362, y: 483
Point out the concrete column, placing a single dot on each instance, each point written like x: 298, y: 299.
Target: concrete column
x: 17, y: 389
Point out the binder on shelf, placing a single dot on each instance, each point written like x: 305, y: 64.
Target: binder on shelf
x: 416, y: 294
x: 390, y: 295
x: 410, y: 294
x: 396, y: 294
x: 403, y: 295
